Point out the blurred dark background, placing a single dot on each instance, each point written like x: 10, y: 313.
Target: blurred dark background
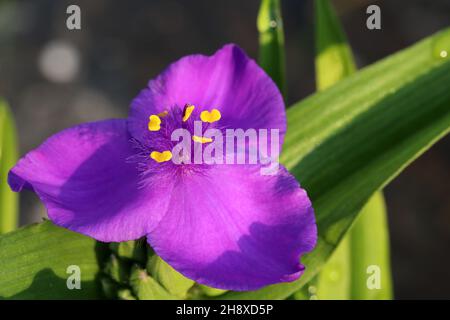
x: 54, y: 78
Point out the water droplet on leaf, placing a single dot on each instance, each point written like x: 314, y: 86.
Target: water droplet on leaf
x: 441, y: 46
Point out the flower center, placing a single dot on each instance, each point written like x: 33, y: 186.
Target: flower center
x: 164, y: 123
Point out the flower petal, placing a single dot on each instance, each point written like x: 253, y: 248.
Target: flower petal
x: 232, y: 228
x: 228, y: 81
x: 83, y: 177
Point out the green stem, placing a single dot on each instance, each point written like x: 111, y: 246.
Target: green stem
x: 8, y: 157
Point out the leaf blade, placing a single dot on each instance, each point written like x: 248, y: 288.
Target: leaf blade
x: 343, y: 276
x: 34, y: 261
x: 271, y: 42
x: 334, y: 59
x: 369, y: 240
x: 334, y: 62
x: 387, y: 101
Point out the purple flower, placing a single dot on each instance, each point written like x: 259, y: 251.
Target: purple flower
x: 226, y: 226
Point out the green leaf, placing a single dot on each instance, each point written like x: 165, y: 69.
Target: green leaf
x: 34, y: 262
x: 271, y: 42
x: 174, y: 282
x: 369, y: 243
x: 334, y: 280
x: 147, y: 288
x: 341, y: 278
x: 366, y: 244
x: 8, y: 157
x: 349, y: 141
x: 334, y: 60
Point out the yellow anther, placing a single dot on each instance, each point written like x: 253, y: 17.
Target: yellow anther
x: 201, y: 139
x: 210, y: 117
x: 187, y: 112
x: 161, y: 156
x: 155, y: 123
x: 163, y: 114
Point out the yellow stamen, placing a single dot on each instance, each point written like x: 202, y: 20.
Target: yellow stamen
x: 161, y: 156
x: 187, y: 112
x: 201, y: 139
x: 163, y: 114
x: 154, y: 123
x: 210, y: 117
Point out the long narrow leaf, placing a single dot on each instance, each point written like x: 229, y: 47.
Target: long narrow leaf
x: 349, y: 141
x: 369, y: 249
x: 334, y: 61
x: 271, y: 42
x: 341, y: 279
x: 35, y: 261
x: 8, y: 156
